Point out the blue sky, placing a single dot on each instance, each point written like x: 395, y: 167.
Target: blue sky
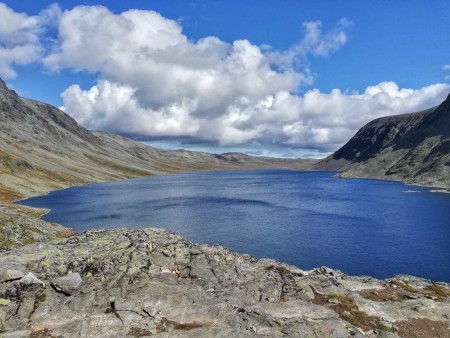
x: 397, y: 49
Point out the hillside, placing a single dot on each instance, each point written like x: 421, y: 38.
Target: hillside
x: 414, y: 148
x: 43, y: 149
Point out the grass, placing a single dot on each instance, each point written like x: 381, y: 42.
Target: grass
x: 8, y: 195
x: 115, y: 166
x: 137, y: 332
x: 166, y: 325
x: 39, y: 302
x: 441, y: 293
x: 347, y: 310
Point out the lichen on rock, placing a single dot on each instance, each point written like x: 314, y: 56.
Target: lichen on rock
x: 141, y: 282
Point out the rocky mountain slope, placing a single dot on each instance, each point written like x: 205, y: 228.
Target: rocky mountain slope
x: 150, y: 282
x: 43, y: 149
x: 414, y: 148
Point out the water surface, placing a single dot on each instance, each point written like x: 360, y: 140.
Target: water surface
x: 309, y: 219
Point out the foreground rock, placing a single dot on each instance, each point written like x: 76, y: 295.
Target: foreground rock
x: 151, y: 282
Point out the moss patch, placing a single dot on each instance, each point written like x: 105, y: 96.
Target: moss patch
x: 347, y: 309
x: 439, y: 292
x: 39, y: 302
x: 4, y: 302
x: 138, y: 332
x: 384, y: 294
x: 45, y: 333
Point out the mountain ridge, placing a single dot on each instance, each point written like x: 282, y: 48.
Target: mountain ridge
x: 413, y: 148
x: 42, y: 149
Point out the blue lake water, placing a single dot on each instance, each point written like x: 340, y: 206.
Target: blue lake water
x: 309, y: 219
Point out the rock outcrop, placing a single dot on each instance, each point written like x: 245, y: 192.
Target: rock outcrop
x: 150, y: 282
x: 21, y: 225
x: 414, y: 148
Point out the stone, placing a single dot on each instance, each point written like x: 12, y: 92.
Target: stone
x: 10, y: 275
x: 26, y: 308
x: 195, y: 251
x: 68, y: 284
x: 17, y: 334
x: 2, y: 320
x: 30, y: 279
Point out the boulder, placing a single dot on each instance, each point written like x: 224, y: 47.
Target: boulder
x: 68, y: 284
x: 31, y: 279
x: 10, y: 275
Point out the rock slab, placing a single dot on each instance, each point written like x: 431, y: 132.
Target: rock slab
x: 151, y: 282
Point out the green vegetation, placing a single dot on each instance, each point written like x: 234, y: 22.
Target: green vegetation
x: 4, y: 302
x: 39, y: 302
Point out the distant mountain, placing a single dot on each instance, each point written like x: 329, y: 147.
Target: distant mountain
x: 42, y: 149
x: 414, y: 148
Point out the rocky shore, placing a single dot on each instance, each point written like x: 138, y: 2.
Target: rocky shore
x: 151, y: 282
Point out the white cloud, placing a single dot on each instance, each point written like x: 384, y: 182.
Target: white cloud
x: 155, y: 82
x: 19, y: 40
x: 315, y: 42
x: 322, y: 121
x: 446, y: 67
x: 326, y: 121
x: 149, y: 53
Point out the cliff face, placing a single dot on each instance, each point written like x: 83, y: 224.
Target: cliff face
x: 414, y: 148
x: 42, y: 149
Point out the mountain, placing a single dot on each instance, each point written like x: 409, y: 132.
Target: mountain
x: 414, y: 148
x: 42, y: 149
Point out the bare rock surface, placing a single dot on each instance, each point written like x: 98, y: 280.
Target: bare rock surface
x: 151, y: 282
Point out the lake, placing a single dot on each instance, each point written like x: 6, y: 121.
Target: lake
x: 309, y: 219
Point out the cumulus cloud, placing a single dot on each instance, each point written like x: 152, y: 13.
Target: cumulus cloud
x: 315, y: 42
x: 149, y: 53
x: 321, y: 121
x: 328, y: 120
x: 154, y: 82
x: 19, y: 40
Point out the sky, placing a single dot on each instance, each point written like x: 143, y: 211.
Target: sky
x: 279, y: 78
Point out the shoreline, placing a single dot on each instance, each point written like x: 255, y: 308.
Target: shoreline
x: 46, y: 210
